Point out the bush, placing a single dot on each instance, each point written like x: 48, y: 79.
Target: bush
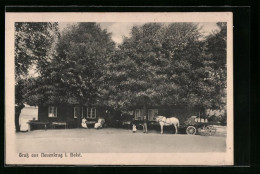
x: 214, y: 118
x: 223, y: 120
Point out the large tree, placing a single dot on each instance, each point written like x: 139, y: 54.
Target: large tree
x: 217, y: 56
x: 74, y: 76
x: 160, y: 65
x: 33, y: 48
x: 82, y: 54
x: 217, y: 66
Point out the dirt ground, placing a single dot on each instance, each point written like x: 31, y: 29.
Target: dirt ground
x: 111, y: 140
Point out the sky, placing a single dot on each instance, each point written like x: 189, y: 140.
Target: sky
x: 121, y: 29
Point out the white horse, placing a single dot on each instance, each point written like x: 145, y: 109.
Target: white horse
x: 163, y: 121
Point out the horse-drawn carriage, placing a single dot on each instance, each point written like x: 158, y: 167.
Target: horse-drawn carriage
x: 195, y: 125
x: 192, y: 126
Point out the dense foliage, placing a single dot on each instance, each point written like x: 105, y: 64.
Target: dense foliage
x: 167, y: 65
x: 33, y: 47
x: 75, y: 74
x: 158, y: 65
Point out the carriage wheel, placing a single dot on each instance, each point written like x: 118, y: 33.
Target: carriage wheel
x: 211, y: 130
x: 191, y: 130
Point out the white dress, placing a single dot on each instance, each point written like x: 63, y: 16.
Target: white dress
x: 134, y: 128
x: 84, y: 123
x: 99, y: 124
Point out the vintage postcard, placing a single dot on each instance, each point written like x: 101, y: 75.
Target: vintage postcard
x: 110, y: 88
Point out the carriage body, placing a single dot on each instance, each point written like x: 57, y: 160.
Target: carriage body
x: 195, y: 125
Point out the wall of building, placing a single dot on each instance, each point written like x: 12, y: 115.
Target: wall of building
x: 180, y: 112
x: 28, y: 113
x: 66, y: 114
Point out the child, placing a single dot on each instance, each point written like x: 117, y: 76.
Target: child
x: 134, y: 128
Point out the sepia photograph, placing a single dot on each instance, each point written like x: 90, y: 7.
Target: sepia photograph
x: 119, y: 89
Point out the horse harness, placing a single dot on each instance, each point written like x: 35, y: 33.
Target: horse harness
x: 164, y: 121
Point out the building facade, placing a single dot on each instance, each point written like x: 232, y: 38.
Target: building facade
x: 71, y: 114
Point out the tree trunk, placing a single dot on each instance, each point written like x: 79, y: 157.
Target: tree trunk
x: 18, y: 110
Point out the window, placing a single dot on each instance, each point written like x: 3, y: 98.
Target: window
x: 138, y: 114
x: 52, y: 111
x: 91, y: 112
x: 152, y: 113
x: 77, y: 112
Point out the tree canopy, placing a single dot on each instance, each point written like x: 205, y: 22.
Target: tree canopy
x: 217, y: 56
x: 75, y: 74
x: 33, y: 47
x: 161, y: 65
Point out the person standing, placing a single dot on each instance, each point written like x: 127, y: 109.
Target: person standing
x: 134, y: 128
x: 145, y: 125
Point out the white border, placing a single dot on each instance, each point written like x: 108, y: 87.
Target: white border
x: 117, y: 158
